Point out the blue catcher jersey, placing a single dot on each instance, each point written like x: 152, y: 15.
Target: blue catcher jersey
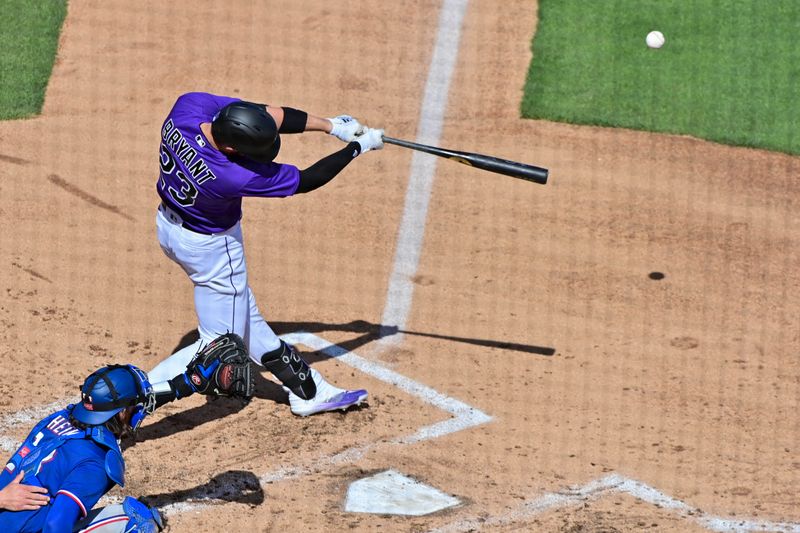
x: 66, y: 461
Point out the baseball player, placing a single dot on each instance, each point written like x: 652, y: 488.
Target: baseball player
x: 214, y: 151
x: 72, y: 457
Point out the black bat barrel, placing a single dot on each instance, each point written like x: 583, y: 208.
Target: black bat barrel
x: 483, y: 162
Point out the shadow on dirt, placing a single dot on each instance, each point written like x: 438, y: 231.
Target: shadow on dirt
x: 371, y: 332
x: 213, y: 409
x: 238, y: 486
x: 269, y: 390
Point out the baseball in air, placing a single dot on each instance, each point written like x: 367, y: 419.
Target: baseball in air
x: 655, y: 39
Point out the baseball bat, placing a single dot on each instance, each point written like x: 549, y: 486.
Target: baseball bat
x: 483, y: 162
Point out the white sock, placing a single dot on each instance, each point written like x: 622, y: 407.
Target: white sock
x: 174, y: 365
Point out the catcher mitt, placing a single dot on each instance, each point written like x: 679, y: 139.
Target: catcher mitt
x: 222, y: 368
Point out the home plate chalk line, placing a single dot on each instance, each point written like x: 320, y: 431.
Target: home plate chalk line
x: 615, y: 483
x: 463, y: 417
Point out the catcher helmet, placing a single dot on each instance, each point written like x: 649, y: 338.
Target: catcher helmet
x: 109, y: 390
x: 247, y: 128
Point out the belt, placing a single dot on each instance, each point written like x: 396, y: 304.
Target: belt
x: 175, y: 218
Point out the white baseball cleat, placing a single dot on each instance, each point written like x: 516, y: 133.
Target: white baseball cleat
x: 328, y: 398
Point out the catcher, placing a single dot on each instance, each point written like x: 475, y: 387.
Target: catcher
x: 74, y: 454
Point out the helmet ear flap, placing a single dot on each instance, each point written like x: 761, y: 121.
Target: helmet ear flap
x: 146, y: 402
x: 137, y: 417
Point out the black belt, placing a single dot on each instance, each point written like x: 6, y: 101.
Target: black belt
x: 170, y: 213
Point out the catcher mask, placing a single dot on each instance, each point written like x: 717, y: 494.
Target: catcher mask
x: 109, y: 390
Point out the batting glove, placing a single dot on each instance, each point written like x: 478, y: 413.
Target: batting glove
x: 346, y: 128
x: 371, y: 139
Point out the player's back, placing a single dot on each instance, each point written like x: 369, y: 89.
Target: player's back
x: 56, y: 458
x: 195, y: 179
x: 202, y: 184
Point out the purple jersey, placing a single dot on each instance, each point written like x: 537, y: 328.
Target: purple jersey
x: 201, y: 183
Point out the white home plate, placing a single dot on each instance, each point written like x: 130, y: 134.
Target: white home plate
x: 393, y: 493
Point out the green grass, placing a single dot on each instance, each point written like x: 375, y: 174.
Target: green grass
x: 29, y: 32
x: 729, y: 71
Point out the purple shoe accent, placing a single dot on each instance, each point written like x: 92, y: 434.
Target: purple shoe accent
x: 342, y: 401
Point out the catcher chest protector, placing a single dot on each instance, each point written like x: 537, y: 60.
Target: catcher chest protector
x: 40, y: 447
x: 249, y: 129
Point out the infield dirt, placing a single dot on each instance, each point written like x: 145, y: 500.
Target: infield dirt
x: 690, y: 384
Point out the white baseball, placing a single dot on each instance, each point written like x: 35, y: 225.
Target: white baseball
x: 655, y: 39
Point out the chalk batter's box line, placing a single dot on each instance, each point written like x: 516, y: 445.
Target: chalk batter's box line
x: 611, y: 484
x: 464, y: 416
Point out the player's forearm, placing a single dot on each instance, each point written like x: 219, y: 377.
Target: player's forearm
x: 327, y: 168
x: 174, y: 389
x: 62, y: 516
x: 290, y: 120
x: 318, y: 124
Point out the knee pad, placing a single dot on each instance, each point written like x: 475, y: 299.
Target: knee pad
x: 111, y: 519
x: 295, y: 374
x: 141, y: 518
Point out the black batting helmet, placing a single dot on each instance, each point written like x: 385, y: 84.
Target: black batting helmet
x: 249, y: 129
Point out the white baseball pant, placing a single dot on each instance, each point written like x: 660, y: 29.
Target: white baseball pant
x: 222, y: 297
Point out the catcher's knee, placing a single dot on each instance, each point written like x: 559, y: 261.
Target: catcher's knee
x: 130, y: 516
x: 287, y: 365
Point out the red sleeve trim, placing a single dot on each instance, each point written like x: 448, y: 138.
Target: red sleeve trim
x: 74, y: 498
